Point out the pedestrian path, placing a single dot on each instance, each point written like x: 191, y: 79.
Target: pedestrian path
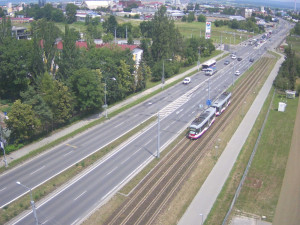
x: 27, y: 149
x: 208, y: 193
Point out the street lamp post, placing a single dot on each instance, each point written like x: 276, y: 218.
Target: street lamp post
x: 31, y: 202
x: 105, y: 101
x: 201, y: 218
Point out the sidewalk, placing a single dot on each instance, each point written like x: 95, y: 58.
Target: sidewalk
x: 25, y: 150
x: 207, y: 195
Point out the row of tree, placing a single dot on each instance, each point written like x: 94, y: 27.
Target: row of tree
x: 51, y: 87
x: 249, y: 24
x: 289, y: 71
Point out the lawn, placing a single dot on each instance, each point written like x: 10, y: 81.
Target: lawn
x: 295, y: 42
x: 261, y: 190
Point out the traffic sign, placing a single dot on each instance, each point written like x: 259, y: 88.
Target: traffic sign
x: 104, y: 106
x: 208, y: 102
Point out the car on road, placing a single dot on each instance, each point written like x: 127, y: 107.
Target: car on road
x: 186, y: 80
x: 239, y: 59
x: 226, y: 62
x: 233, y: 56
x: 251, y: 59
x: 237, y: 73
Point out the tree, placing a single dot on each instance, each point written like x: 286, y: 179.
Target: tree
x: 69, y: 59
x: 15, y: 58
x: 71, y: 13
x: 166, y: 38
x: 47, y: 33
x: 191, y: 17
x: 22, y: 122
x: 136, y: 32
x: 86, y: 85
x: 130, y: 40
x: 58, y: 97
x: 146, y: 28
x: 42, y: 110
x: 125, y: 80
x: 110, y: 24
x: 107, y: 38
x: 201, y: 18
x: 142, y: 75
x: 2, y: 14
x: 5, y: 29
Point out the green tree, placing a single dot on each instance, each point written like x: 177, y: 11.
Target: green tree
x: 58, y: 97
x: 146, y: 28
x: 142, y: 75
x: 110, y: 24
x: 22, y: 122
x: 166, y: 38
x: 136, y: 32
x: 5, y: 29
x: 15, y: 58
x: 47, y: 33
x: 71, y: 13
x: 191, y: 17
x: 2, y: 14
x: 130, y: 40
x: 86, y: 85
x: 70, y: 56
x: 42, y: 110
x: 107, y: 38
x: 125, y: 80
x: 201, y: 18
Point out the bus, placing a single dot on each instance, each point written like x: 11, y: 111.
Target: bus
x: 209, y: 64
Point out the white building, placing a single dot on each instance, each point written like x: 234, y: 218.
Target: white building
x: 96, y: 4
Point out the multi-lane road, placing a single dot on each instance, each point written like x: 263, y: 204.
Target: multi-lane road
x: 177, y: 106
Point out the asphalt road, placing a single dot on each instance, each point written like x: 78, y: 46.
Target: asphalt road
x: 177, y: 106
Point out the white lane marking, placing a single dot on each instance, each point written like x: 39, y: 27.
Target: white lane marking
x: 148, y: 142
x: 179, y: 111
x: 45, y: 222
x: 193, y: 112
x: 68, y: 153
x: 79, y: 196
x: 3, y: 189
x: 125, y: 160
x: 37, y: 170
x: 119, y: 124
x: 75, y: 222
x: 135, y: 152
x: 111, y: 171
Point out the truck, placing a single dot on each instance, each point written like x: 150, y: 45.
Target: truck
x: 210, y: 71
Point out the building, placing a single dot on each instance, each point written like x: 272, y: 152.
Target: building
x: 97, y: 4
x: 126, y: 3
x: 20, y: 32
x: 247, y: 13
x: 82, y: 14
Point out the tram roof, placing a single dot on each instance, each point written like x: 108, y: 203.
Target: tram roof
x: 223, y: 97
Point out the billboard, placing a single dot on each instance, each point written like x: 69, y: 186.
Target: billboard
x: 207, y: 30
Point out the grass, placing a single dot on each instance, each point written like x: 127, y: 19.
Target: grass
x: 295, y: 42
x: 269, y: 163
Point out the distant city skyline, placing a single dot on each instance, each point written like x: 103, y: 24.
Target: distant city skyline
x: 269, y: 3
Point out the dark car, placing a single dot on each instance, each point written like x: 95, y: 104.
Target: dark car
x: 226, y: 62
x: 251, y: 60
x: 239, y: 59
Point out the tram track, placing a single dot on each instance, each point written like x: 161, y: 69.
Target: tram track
x: 156, y: 190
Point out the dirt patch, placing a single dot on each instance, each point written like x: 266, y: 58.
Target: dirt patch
x: 253, y: 182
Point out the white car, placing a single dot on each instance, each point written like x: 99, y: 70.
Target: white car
x: 186, y: 80
x: 233, y: 56
x: 237, y: 73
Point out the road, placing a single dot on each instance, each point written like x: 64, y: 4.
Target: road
x: 101, y: 182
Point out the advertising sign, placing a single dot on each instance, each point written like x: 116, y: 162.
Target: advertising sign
x: 207, y: 30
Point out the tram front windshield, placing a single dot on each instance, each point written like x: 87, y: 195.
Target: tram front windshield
x: 193, y: 130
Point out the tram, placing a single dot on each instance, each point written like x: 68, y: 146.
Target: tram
x: 222, y: 102
x: 202, y: 123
